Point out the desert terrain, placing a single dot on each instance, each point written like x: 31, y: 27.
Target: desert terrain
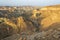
x: 30, y: 23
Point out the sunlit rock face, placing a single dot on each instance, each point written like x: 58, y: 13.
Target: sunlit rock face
x: 22, y: 26
x: 51, y: 15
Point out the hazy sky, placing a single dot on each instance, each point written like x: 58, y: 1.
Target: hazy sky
x: 28, y: 2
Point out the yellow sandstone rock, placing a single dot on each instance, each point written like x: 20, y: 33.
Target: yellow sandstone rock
x: 51, y: 15
x: 21, y: 23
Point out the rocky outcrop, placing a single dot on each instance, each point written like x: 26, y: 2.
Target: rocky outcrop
x: 51, y: 15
